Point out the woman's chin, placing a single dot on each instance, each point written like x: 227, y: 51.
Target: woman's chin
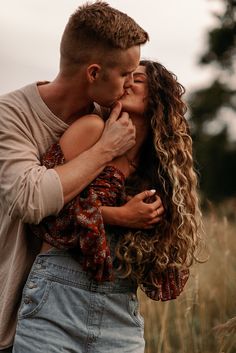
x: 125, y: 106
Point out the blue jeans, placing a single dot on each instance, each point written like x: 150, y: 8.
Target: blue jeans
x: 62, y: 310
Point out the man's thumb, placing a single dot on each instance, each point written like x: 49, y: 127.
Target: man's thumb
x: 115, y: 113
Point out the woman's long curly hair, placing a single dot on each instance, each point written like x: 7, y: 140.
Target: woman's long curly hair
x: 166, y: 164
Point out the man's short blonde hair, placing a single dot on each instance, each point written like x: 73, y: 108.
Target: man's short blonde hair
x: 97, y: 29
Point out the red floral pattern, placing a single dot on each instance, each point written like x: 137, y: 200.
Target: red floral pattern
x: 170, y: 283
x: 79, y: 225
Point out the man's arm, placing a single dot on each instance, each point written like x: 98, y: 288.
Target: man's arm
x: 31, y: 192
x: 136, y: 213
x: 117, y: 137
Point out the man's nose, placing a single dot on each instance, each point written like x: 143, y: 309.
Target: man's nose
x: 129, y: 81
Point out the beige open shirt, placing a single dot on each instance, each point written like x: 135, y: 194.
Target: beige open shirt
x: 28, y: 192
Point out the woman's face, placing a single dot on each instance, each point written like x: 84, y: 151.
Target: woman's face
x: 136, y: 97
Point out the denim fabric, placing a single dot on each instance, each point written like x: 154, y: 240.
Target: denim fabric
x: 6, y: 350
x: 62, y: 310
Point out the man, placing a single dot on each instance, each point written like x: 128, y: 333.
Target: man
x: 100, y: 49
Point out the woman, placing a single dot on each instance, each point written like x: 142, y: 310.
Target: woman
x: 96, y: 310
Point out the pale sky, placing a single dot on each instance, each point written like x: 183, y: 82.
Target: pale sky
x: 30, y: 32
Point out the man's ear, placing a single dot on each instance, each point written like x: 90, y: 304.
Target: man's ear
x: 93, y: 72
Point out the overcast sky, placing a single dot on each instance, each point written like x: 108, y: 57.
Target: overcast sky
x: 30, y: 32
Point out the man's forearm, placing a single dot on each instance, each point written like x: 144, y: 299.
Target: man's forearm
x: 76, y: 174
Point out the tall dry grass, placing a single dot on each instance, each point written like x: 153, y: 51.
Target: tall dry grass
x: 203, y: 318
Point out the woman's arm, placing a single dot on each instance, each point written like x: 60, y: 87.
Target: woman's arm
x: 136, y: 213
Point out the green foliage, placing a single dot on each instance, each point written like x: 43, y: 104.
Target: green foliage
x: 217, y: 168
x: 206, y: 102
x: 215, y: 153
x: 221, y: 43
x: 222, y: 40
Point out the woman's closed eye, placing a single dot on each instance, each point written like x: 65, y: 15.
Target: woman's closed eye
x: 138, y: 81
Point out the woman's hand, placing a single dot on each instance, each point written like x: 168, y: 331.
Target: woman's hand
x: 136, y: 213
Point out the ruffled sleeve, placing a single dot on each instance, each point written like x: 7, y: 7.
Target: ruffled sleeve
x: 169, y: 284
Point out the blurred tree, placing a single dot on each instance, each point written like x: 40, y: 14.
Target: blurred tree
x: 215, y: 151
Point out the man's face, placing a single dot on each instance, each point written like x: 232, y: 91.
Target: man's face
x: 113, y: 82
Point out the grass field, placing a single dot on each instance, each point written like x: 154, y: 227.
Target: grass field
x: 203, y: 318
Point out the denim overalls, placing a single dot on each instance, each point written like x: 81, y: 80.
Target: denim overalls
x: 63, y: 310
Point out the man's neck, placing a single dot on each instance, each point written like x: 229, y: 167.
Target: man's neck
x: 67, y: 104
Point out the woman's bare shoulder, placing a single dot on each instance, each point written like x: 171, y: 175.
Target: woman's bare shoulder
x: 81, y: 135
x: 90, y: 120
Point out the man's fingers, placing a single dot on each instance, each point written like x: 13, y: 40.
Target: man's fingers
x: 115, y: 112
x: 125, y: 120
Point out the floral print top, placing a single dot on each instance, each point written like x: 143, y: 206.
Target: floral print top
x: 79, y: 226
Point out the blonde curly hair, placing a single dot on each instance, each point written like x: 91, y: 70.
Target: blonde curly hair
x: 166, y: 164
